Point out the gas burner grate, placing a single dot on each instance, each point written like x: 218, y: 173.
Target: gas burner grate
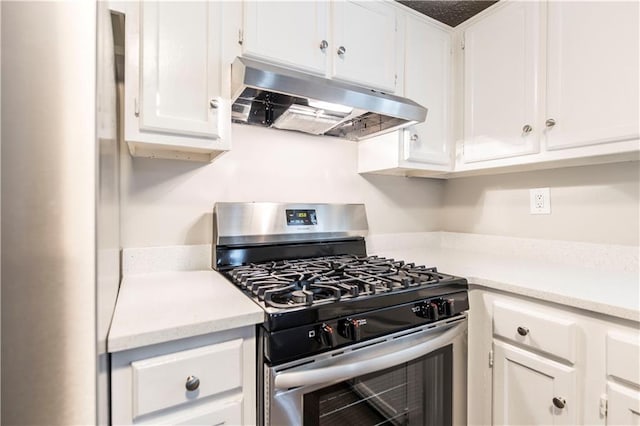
x: 317, y: 280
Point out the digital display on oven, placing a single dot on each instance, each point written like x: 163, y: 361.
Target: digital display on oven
x: 301, y: 217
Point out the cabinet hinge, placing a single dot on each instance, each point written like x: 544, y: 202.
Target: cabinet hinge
x: 490, y: 359
x: 462, y: 43
x: 136, y: 107
x: 604, y: 405
x: 240, y: 36
x: 395, y: 81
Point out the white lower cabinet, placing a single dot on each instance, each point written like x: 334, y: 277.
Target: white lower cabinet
x: 623, y: 405
x: 202, y: 380
x: 623, y: 375
x: 531, y: 389
x: 535, y: 362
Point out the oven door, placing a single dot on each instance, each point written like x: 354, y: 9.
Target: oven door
x: 414, y: 377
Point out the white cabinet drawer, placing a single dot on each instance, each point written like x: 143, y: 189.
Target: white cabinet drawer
x: 623, y: 353
x: 537, y: 329
x: 229, y: 413
x: 160, y: 382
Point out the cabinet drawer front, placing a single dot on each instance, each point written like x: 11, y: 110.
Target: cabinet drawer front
x: 623, y: 353
x: 536, y: 329
x: 160, y: 382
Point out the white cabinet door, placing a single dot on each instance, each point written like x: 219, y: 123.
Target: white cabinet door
x: 286, y: 32
x: 179, y: 67
x: 501, y: 62
x: 427, y: 81
x: 623, y: 406
x: 365, y: 32
x: 592, y: 72
x: 524, y: 386
x: 176, y: 88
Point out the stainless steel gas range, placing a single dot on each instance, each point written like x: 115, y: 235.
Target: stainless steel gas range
x: 348, y: 339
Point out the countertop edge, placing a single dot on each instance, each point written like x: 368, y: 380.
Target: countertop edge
x: 133, y: 341
x: 587, y: 305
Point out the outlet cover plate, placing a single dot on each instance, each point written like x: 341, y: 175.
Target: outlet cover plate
x: 539, y: 201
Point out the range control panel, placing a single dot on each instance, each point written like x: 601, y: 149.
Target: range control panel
x: 284, y: 345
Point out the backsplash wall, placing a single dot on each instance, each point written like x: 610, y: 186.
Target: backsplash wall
x: 598, y: 204
x: 170, y: 202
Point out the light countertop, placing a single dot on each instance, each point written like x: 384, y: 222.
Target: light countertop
x: 158, y: 303
x: 164, y: 306
x: 606, y: 292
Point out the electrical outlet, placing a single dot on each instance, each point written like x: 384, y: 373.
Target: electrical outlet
x: 540, y: 201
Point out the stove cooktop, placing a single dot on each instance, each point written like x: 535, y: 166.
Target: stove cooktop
x: 314, y: 289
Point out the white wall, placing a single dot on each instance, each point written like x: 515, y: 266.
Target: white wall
x: 170, y: 202
x: 597, y: 204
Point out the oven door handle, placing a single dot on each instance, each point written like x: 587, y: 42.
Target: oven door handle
x: 364, y: 366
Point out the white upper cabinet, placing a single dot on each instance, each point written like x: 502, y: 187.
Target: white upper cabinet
x: 176, y: 91
x: 592, y: 73
x: 292, y: 33
x: 501, y: 62
x: 343, y: 39
x: 548, y: 82
x: 426, y: 66
x: 364, y: 43
x: 427, y: 81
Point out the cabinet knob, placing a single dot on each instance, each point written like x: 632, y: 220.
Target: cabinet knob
x: 213, y: 103
x: 341, y: 50
x: 550, y: 122
x: 323, y: 45
x: 559, y: 402
x: 192, y: 384
x: 414, y: 137
x: 523, y: 331
x: 527, y: 128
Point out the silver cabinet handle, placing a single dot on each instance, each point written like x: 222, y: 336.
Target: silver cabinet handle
x: 192, y: 384
x: 213, y: 103
x: 550, y: 122
x: 342, y: 50
x: 523, y: 331
x: 323, y: 45
x: 527, y: 128
x: 559, y: 402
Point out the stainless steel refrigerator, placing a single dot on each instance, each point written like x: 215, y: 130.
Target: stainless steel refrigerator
x: 60, y: 231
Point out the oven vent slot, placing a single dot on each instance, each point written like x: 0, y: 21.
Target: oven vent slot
x: 369, y: 345
x: 279, y: 370
x: 408, y: 333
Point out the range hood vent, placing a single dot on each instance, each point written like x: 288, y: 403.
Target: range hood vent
x: 272, y: 96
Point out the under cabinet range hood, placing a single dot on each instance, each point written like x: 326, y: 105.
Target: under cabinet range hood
x: 272, y: 96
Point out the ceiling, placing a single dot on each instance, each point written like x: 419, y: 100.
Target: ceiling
x: 450, y: 12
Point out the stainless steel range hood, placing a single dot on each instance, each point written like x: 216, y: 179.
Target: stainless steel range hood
x: 273, y: 96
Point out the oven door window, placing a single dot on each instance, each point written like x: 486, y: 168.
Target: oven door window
x: 416, y: 393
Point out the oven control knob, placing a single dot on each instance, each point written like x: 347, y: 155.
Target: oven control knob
x: 432, y: 311
x: 328, y: 336
x: 350, y: 329
x: 429, y: 310
x: 448, y: 307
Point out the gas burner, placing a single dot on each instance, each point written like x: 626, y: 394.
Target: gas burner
x: 298, y: 294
